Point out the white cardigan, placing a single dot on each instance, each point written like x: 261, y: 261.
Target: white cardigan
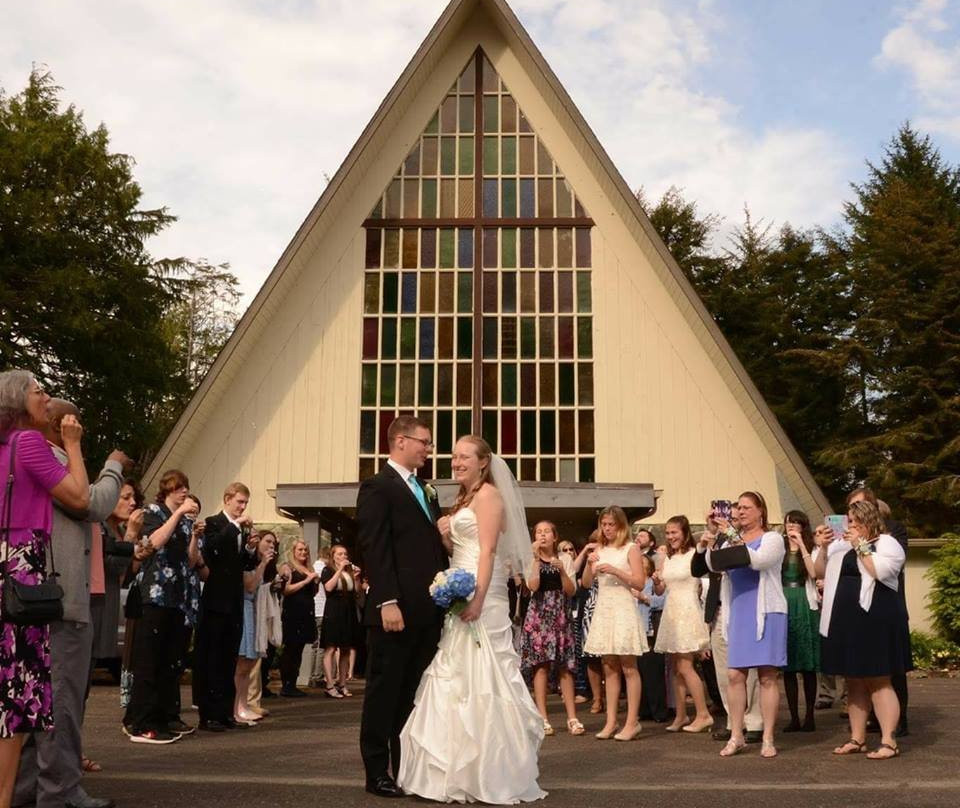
x: 768, y: 561
x: 888, y: 560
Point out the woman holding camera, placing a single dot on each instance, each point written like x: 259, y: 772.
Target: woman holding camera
x: 169, y: 593
x: 547, y: 640
x: 615, y: 632
x: 754, y: 622
x: 248, y: 654
x: 299, y: 623
x: 682, y: 630
x: 340, y: 624
x: 863, y: 622
x: 25, y: 685
x: 803, y: 620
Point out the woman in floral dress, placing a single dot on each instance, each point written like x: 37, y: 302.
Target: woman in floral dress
x: 547, y: 641
x: 26, y: 697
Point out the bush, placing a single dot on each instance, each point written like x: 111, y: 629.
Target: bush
x: 932, y: 652
x: 944, y: 597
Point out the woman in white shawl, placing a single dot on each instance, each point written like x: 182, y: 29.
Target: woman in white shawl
x: 864, y: 624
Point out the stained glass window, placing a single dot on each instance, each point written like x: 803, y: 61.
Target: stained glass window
x: 477, y: 293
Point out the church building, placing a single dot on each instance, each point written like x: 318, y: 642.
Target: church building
x: 479, y: 261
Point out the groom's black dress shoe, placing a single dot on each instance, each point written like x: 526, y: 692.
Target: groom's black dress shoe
x: 385, y: 786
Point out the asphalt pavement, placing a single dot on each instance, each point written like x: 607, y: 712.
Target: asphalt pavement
x: 306, y: 754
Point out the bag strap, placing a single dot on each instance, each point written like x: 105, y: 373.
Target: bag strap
x: 7, y: 509
x: 8, y: 515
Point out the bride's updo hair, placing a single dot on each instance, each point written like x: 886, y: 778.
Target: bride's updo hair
x: 465, y: 497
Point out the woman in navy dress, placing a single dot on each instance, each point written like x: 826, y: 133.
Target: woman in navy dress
x: 864, y: 625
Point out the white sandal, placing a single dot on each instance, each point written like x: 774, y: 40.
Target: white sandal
x: 547, y: 728
x: 574, y: 727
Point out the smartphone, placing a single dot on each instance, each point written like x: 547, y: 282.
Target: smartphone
x: 722, y: 508
x: 837, y: 523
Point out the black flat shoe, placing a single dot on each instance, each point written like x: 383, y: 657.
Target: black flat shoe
x: 384, y: 787
x: 793, y: 726
x: 213, y: 726
x: 721, y: 735
x: 753, y: 736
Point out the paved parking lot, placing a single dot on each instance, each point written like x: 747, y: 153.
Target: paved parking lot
x: 306, y: 754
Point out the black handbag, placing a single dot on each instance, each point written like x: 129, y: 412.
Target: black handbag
x: 731, y: 557
x: 26, y: 604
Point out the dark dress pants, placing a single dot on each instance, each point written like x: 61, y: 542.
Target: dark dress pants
x: 653, y: 676
x: 215, y: 659
x: 156, y: 675
x: 396, y: 661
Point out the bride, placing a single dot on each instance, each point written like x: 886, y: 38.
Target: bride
x: 474, y: 732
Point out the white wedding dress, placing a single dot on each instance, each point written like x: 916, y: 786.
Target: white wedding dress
x: 474, y: 733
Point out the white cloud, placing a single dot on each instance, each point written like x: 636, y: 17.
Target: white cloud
x: 917, y: 46
x: 635, y: 79
x: 236, y: 109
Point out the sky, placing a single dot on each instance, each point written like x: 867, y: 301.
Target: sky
x: 238, y: 111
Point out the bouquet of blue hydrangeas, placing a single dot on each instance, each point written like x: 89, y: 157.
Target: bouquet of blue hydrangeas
x: 450, y: 590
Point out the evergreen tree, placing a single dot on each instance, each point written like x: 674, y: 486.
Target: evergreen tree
x: 780, y: 302
x: 82, y: 302
x: 902, y: 345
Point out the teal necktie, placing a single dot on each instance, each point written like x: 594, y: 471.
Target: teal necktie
x: 418, y: 493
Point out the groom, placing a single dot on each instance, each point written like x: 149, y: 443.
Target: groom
x: 402, y: 552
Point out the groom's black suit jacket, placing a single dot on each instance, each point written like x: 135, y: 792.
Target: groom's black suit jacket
x: 401, y: 548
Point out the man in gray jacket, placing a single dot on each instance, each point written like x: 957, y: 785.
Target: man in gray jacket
x: 50, y: 766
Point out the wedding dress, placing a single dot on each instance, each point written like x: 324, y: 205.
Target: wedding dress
x: 474, y: 733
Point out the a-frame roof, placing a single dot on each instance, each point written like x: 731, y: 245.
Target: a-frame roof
x: 203, y: 405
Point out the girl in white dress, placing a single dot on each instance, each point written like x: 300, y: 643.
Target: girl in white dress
x: 682, y: 630
x: 475, y: 733
x: 615, y: 632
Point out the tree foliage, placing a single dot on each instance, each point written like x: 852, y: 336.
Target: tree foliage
x: 853, y: 338
x: 777, y: 298
x: 82, y: 302
x: 79, y: 304
x: 902, y: 346
x: 944, y: 597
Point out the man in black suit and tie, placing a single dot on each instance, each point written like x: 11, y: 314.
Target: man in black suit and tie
x: 402, y: 552
x: 225, y: 557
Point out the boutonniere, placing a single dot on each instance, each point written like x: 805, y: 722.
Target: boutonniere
x: 430, y: 491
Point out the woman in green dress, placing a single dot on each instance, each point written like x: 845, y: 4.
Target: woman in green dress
x: 803, y: 620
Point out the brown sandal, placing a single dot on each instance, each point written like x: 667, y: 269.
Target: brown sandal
x: 875, y: 754
x: 89, y: 765
x: 858, y: 747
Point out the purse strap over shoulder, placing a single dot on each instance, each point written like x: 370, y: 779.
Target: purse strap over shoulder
x: 7, y: 506
x: 8, y: 515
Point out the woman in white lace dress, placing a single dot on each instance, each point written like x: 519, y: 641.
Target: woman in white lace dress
x: 474, y: 734
x: 682, y: 630
x: 615, y: 632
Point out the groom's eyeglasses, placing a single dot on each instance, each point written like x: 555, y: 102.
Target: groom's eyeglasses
x: 427, y: 444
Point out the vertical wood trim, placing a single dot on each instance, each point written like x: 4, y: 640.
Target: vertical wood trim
x: 477, y: 243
